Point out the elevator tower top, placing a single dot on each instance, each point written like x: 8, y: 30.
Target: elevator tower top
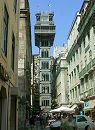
x: 44, y: 29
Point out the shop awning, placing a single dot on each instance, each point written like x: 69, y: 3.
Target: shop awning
x: 62, y: 109
x: 74, y: 106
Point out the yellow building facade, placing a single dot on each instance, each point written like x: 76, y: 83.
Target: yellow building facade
x: 9, y: 14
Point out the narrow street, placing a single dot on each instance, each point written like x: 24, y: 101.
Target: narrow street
x: 47, y: 64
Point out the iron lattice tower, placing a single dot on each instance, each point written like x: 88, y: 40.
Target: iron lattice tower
x: 44, y: 37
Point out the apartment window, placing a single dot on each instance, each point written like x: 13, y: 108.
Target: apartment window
x: 69, y: 63
x: 84, y: 42
x: 15, y: 5
x: 75, y: 91
x: 85, y: 58
x: 74, y: 57
x: 13, y: 52
x: 78, y: 89
x: 80, y: 49
x: 76, y: 53
x: 88, y: 35
x: 77, y: 69
x: 82, y: 84
x: 71, y: 60
x: 86, y: 81
x: 90, y: 55
x: 81, y: 64
x: 5, y: 31
x: 74, y: 72
x: 70, y: 78
x: 91, y: 78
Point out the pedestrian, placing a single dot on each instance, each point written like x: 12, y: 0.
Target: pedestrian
x: 32, y: 121
x: 69, y: 123
x: 44, y: 120
x: 41, y: 119
x: 91, y: 126
x: 63, y: 118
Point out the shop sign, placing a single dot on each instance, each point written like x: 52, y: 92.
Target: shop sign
x: 87, y: 105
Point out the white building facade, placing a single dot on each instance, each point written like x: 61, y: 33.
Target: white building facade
x: 61, y: 85
x: 81, y: 58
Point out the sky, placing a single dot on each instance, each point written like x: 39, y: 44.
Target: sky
x: 64, y: 12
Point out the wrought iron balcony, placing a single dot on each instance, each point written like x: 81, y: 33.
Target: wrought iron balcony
x: 87, y: 68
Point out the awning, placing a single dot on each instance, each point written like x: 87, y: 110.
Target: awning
x: 62, y: 109
x: 74, y: 106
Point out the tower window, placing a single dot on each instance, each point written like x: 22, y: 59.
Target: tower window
x: 45, y: 77
x: 45, y: 65
x: 50, y: 18
x: 38, y: 18
x: 45, y: 54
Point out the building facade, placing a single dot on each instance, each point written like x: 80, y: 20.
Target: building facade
x: 61, y: 78
x: 82, y: 58
x: 35, y: 86
x: 44, y: 37
x: 9, y: 16
x: 73, y: 62
x: 24, y: 64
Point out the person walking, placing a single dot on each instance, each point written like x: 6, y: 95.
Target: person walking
x: 44, y: 122
x: 69, y: 123
x: 64, y: 116
x: 32, y: 121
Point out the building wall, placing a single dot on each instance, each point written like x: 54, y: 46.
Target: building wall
x: 8, y: 78
x: 81, y: 57
x: 24, y: 64
x: 61, y: 84
x: 35, y: 86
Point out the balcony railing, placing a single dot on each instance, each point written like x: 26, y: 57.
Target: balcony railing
x: 44, y: 29
x: 87, y: 68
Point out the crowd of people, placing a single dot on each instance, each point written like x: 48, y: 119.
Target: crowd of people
x: 39, y: 119
x: 67, y: 121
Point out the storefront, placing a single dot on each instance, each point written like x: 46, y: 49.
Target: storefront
x: 89, y: 108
